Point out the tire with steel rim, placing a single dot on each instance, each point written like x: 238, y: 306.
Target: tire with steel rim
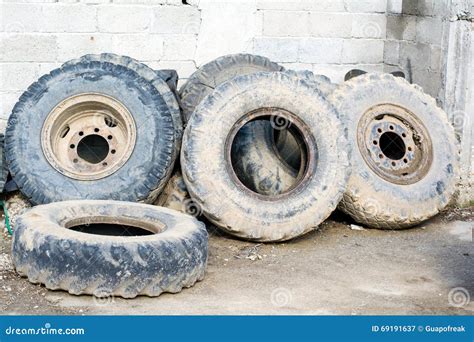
x: 163, y: 80
x: 109, y: 248
x: 404, y: 159
x: 217, y: 190
x: 3, y: 166
x: 91, y: 130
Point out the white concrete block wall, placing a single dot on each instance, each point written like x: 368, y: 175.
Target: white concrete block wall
x: 326, y: 36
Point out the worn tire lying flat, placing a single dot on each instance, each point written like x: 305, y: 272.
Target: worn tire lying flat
x: 142, y: 176
x: 202, y: 82
x: 47, y: 252
x: 165, y: 82
x: 412, y: 195
x: 214, y: 186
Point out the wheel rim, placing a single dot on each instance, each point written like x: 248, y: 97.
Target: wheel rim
x: 395, y: 144
x: 88, y: 136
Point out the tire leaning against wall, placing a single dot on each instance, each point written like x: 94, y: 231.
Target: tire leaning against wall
x: 401, y: 182
x: 137, y: 174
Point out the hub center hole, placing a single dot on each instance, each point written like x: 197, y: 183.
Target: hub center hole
x: 93, y: 148
x: 392, y: 145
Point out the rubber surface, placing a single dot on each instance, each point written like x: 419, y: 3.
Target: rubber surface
x: 373, y: 201
x: 203, y: 81
x: 48, y: 253
x: 141, y: 178
x: 238, y: 210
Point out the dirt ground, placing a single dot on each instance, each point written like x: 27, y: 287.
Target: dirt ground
x: 334, y: 270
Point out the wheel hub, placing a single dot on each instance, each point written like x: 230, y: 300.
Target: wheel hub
x: 395, y: 144
x: 88, y: 136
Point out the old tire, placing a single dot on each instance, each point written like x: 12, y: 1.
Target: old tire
x: 267, y: 155
x: 287, y: 146
x: 3, y: 164
x: 175, y: 196
x: 216, y: 189
x: 47, y: 252
x: 165, y: 82
x: 403, y: 181
x: 203, y: 81
x: 140, y: 168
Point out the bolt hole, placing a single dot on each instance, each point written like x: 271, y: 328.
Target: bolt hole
x: 393, y: 163
x: 96, y: 130
x: 65, y: 132
x: 391, y: 127
x: 104, y: 164
x: 112, y: 151
x: 75, y: 160
x: 409, y: 148
x: 111, y: 122
x: 381, y: 156
x: 404, y: 135
x: 81, y: 133
x: 374, y: 142
x: 72, y: 146
x: 109, y: 137
x: 379, y: 130
x: 405, y: 160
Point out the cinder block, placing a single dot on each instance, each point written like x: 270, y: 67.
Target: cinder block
x: 429, y: 30
x: 285, y: 23
x: 362, y: 51
x: 47, y: 17
x: 435, y: 58
x: 67, y: 18
x: 7, y: 102
x: 174, y: 19
x: 366, y: 6
x: 227, y: 27
x: 299, y: 5
x: 325, y: 25
x: 391, y: 52
x: 401, y: 27
x: 395, y: 6
x: 28, y: 48
x: 369, y: 26
x: 127, y: 19
x: 277, y: 49
x: 140, y: 2
x: 320, y: 51
x: 428, y: 80
x: 17, y: 76
x: 139, y: 46
x: 72, y: 46
x: 179, y: 47
x: 415, y: 55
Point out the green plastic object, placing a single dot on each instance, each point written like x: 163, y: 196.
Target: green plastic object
x: 7, y: 219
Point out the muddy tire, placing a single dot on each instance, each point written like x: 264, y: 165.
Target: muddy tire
x: 131, y: 156
x: 165, y: 82
x: 202, y: 82
x: 404, y: 158
x: 217, y: 190
x: 175, y: 196
x: 3, y: 163
x: 173, y: 257
x: 287, y: 146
